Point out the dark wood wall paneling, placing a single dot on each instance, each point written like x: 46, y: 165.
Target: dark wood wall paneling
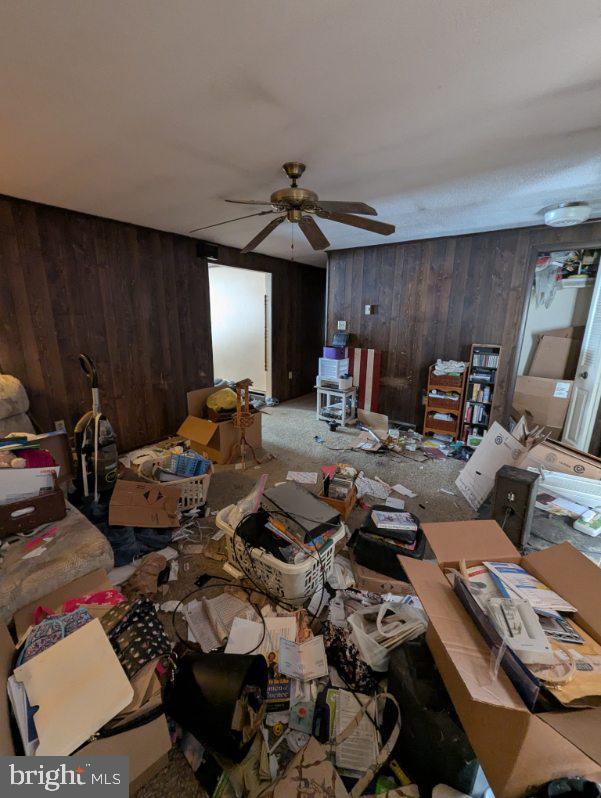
x: 435, y: 298
x: 137, y: 300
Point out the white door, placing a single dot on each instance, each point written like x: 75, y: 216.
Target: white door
x: 241, y: 325
x: 586, y: 390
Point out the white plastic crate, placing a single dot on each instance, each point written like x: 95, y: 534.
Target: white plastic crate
x: 293, y: 582
x: 328, y: 367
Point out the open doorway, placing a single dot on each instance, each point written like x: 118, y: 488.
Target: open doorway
x: 559, y: 367
x: 241, y: 325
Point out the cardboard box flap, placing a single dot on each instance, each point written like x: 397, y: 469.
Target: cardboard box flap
x: 581, y: 728
x: 197, y: 400
x: 93, y: 582
x: 469, y: 652
x: 472, y: 541
x: 564, y: 569
x: 200, y: 430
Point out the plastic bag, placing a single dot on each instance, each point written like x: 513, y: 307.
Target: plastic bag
x: 377, y: 630
x: 225, y: 399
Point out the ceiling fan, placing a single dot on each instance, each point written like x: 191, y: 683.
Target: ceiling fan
x: 300, y: 205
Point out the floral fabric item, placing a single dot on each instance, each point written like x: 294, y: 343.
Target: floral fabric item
x: 50, y: 631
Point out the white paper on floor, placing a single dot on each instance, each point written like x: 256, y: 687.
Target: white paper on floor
x: 305, y: 477
x: 397, y: 504
x: 372, y: 487
x: 404, y: 491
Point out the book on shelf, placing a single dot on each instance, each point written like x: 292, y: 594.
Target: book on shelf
x: 485, y: 360
x: 480, y: 393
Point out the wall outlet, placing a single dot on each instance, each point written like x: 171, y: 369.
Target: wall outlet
x: 289, y: 375
x: 59, y: 426
x: 370, y: 310
x: 341, y: 325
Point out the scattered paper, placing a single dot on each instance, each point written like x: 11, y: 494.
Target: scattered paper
x: 34, y: 553
x: 171, y: 606
x: 404, y: 491
x: 318, y: 601
x: 304, y: 477
x: 305, y: 661
x: 448, y: 492
x: 173, y: 570
x: 397, y: 504
x: 245, y: 637
x: 528, y: 587
x: 360, y: 750
x: 212, y: 619
x: 372, y: 487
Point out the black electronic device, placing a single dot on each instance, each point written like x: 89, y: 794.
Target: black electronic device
x: 513, y: 502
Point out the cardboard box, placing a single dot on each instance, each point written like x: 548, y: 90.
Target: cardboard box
x: 516, y: 748
x: 556, y: 456
x: 149, y: 504
x: 344, y: 506
x: 545, y: 400
x: 146, y: 746
x: 555, y: 358
x: 215, y: 440
x: 497, y: 448
x: 577, y: 333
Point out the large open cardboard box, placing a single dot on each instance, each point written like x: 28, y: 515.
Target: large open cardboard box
x: 215, y: 440
x: 146, y: 746
x: 517, y: 749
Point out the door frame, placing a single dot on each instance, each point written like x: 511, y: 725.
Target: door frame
x: 534, y: 251
x: 268, y: 309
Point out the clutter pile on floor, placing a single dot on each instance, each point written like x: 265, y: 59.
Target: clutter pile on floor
x: 286, y: 654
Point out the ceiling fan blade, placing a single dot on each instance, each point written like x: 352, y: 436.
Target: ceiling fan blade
x: 263, y: 234
x: 237, y: 219
x: 347, y: 207
x: 249, y: 202
x: 382, y: 228
x: 312, y: 233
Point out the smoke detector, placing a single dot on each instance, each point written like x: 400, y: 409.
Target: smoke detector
x: 567, y: 214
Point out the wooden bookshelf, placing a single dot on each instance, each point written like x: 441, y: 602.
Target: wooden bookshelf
x: 451, y: 392
x: 480, y: 388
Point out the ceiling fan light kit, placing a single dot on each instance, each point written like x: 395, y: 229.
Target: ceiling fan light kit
x: 300, y: 205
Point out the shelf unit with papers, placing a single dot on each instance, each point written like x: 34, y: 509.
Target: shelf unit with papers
x: 445, y: 394
x: 481, y: 381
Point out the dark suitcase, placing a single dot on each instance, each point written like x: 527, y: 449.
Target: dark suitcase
x: 378, y: 553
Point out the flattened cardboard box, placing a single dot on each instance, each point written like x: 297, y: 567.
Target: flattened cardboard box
x: 546, y: 400
x: 214, y: 439
x: 555, y: 358
x: 497, y: 448
x: 146, y: 746
x: 556, y: 456
x: 144, y: 504
x: 517, y: 749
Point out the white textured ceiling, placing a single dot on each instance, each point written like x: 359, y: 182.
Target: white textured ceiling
x: 449, y: 116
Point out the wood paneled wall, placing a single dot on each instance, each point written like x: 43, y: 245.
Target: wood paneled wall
x: 435, y: 298
x: 137, y: 300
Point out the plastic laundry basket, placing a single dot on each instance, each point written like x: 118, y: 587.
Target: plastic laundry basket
x: 293, y: 582
x: 194, y: 490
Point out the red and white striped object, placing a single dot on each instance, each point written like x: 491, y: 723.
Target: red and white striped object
x: 364, y: 365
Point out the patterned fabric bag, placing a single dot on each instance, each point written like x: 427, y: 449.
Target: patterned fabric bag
x: 136, y: 634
